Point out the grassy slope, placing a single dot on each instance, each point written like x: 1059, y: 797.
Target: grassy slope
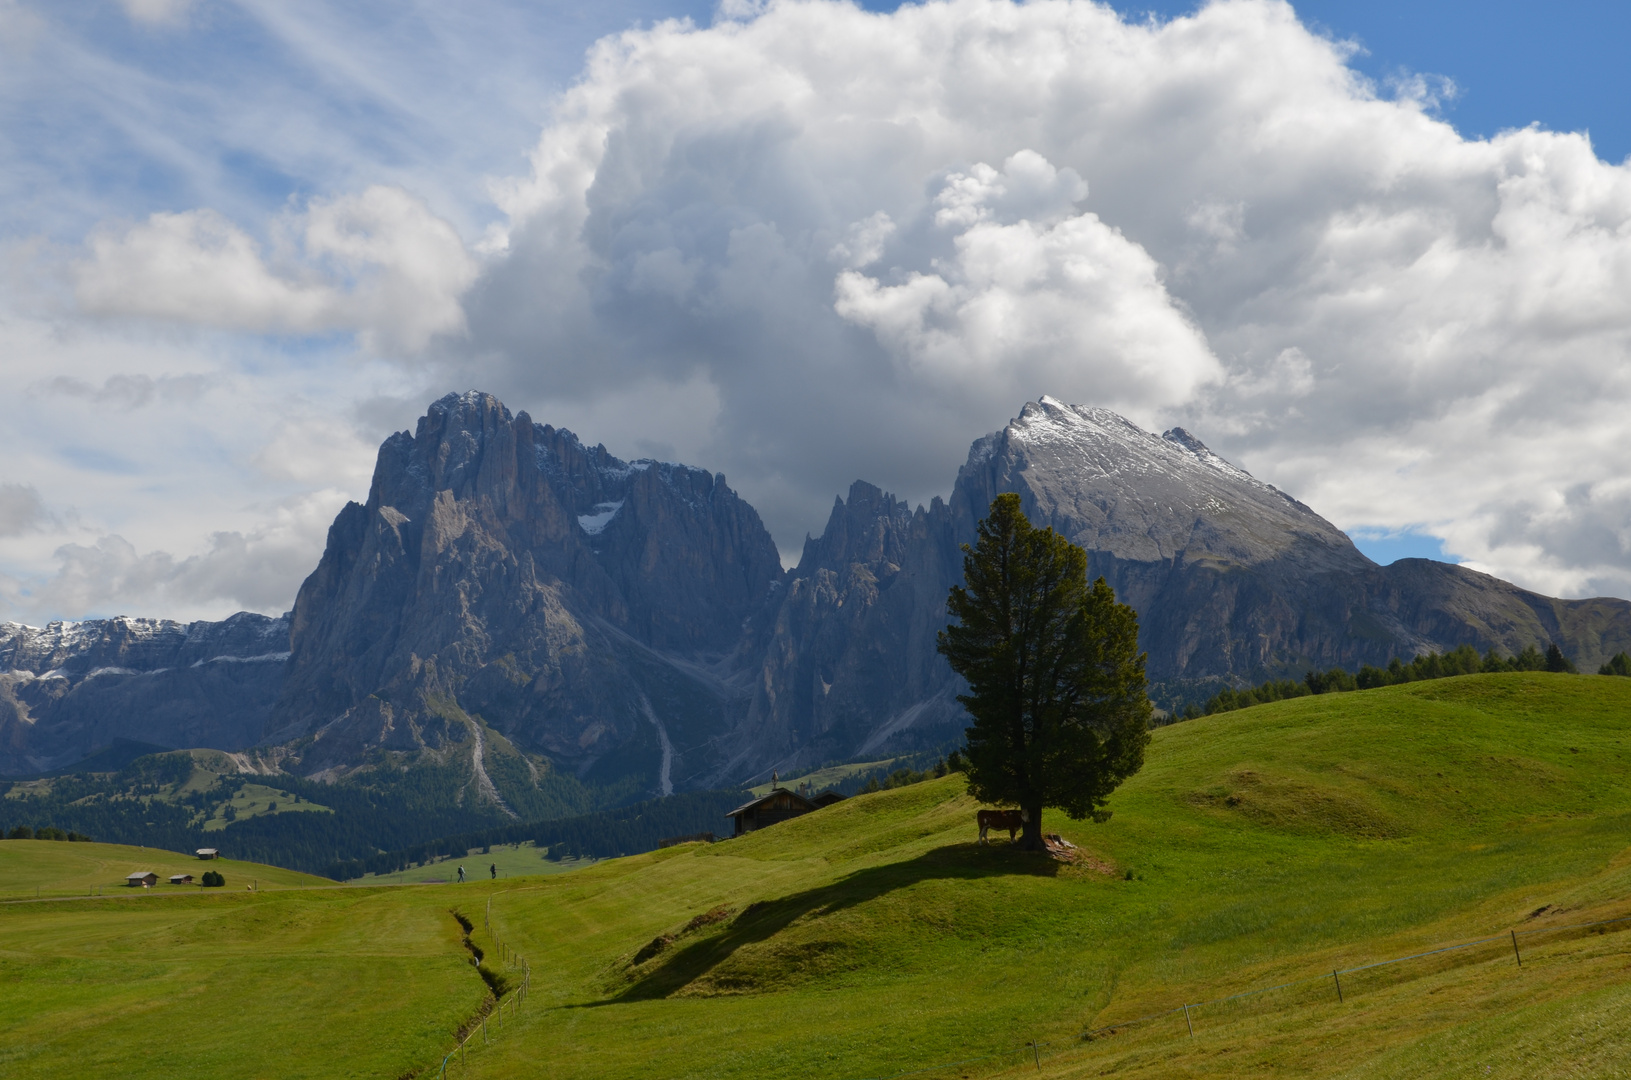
x: 1267, y: 844
x: 827, y: 777
x: 57, y: 868
x: 334, y: 982
x: 255, y: 800
x: 512, y: 860
x: 292, y: 981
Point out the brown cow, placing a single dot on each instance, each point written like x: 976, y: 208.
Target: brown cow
x: 1012, y: 820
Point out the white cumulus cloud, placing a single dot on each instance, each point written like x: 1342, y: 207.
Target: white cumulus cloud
x: 379, y: 264
x: 1042, y: 300
x: 811, y: 243
x: 875, y: 234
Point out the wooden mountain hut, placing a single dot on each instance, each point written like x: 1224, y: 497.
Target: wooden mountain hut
x: 141, y: 878
x: 779, y: 805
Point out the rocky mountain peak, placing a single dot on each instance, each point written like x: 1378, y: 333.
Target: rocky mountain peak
x: 502, y: 572
x: 871, y: 527
x: 511, y: 600
x: 1110, y: 486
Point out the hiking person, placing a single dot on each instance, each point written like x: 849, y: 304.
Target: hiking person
x: 494, y: 869
x: 461, y: 875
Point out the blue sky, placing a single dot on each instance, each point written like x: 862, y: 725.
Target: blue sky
x: 1514, y: 62
x: 241, y: 240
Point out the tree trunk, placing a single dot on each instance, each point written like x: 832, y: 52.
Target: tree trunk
x: 1030, y: 835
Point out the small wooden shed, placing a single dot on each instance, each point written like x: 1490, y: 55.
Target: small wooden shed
x: 181, y: 879
x: 141, y: 878
x: 779, y: 805
x: 207, y: 853
x: 827, y: 798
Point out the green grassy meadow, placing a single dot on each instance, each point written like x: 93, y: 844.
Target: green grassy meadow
x: 874, y: 937
x: 54, y: 868
x: 256, y: 800
x: 822, y: 778
x: 512, y: 860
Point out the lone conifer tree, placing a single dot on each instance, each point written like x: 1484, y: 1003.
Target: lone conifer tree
x: 1056, y: 681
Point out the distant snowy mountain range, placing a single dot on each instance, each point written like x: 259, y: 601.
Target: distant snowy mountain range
x: 506, y: 588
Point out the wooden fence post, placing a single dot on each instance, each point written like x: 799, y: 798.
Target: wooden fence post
x: 1338, y: 979
x: 1189, y: 1022
x: 1515, y: 951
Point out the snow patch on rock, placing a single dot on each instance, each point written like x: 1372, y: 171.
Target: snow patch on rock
x: 595, y: 522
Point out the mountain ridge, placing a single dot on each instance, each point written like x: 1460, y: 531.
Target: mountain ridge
x: 505, y: 586
x: 70, y: 688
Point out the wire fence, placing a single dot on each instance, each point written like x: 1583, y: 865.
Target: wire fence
x: 511, y: 1000
x: 1034, y: 1049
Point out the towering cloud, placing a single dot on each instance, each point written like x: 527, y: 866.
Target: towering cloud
x: 812, y: 243
x: 866, y: 233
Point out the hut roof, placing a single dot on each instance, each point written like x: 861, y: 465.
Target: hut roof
x: 798, y: 799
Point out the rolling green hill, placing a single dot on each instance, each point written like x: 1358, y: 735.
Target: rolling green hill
x: 1269, y: 844
x: 1257, y: 847
x: 52, y: 868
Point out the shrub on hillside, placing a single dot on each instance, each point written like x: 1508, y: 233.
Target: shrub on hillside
x: 1619, y: 665
x: 212, y: 880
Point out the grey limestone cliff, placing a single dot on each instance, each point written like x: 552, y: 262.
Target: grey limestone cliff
x: 1234, y: 581
x: 502, y: 575
x: 514, y: 599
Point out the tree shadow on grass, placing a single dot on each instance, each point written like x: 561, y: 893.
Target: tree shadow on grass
x: 764, y: 919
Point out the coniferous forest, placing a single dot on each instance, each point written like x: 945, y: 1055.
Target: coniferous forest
x: 1463, y: 660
